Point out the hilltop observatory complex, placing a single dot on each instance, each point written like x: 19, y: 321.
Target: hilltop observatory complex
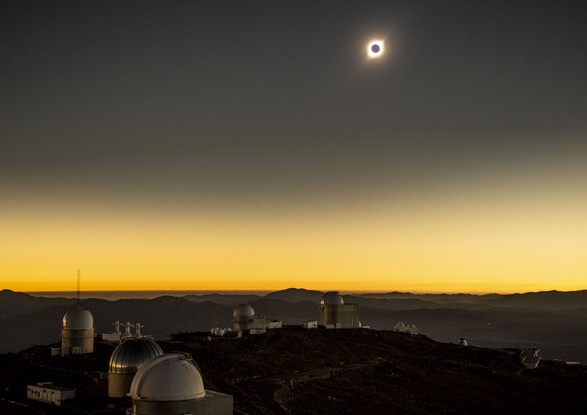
x: 334, y: 313
x: 77, y: 334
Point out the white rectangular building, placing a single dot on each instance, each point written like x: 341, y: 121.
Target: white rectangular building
x: 275, y: 324
x: 49, y: 392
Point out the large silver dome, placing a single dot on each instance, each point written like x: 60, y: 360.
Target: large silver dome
x: 131, y: 353
x: 243, y: 310
x: 332, y: 297
x: 78, y: 318
x: 171, y: 377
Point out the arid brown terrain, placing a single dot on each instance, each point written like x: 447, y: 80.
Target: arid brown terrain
x: 300, y: 371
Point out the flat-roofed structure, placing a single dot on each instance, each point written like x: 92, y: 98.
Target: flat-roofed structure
x: 48, y: 392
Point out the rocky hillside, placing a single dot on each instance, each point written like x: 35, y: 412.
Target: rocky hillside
x: 366, y: 371
x: 297, y: 371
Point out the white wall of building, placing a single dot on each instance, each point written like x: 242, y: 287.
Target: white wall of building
x: 49, y: 392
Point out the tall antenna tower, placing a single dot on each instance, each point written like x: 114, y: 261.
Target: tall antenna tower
x: 78, y: 285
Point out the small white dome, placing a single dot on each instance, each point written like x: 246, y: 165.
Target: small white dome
x: 243, y: 310
x: 78, y: 318
x: 332, y: 297
x: 171, y: 377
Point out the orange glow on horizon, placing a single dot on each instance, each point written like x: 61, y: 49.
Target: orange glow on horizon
x: 476, y: 244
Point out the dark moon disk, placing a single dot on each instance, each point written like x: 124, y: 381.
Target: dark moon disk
x: 375, y: 48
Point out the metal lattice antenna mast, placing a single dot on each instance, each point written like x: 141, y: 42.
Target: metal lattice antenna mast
x: 78, y: 285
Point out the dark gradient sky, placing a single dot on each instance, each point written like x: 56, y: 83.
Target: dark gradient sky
x: 225, y: 108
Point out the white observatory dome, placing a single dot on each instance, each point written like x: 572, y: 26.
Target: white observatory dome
x: 78, y: 318
x: 331, y: 298
x: 170, y: 377
x: 131, y: 353
x: 243, y: 310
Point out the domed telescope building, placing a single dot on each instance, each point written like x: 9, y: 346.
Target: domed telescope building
x: 245, y: 319
x: 125, y: 361
x: 77, y: 334
x: 334, y: 313
x: 171, y: 384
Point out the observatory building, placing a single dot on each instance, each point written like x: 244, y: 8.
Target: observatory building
x: 245, y: 319
x: 125, y: 360
x: 77, y: 334
x: 172, y: 385
x: 334, y: 313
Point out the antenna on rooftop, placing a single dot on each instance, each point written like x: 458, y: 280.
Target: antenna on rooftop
x: 78, y: 285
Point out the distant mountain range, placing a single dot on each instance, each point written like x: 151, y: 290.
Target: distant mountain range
x: 552, y: 300
x: 554, y: 321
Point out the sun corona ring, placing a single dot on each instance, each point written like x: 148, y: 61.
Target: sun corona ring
x: 375, y: 48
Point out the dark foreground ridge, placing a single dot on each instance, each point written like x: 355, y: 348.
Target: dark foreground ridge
x: 299, y: 371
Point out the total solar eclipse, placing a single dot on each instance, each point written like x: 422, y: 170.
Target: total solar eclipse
x: 375, y: 49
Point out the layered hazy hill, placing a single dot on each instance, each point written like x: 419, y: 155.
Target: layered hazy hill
x: 552, y: 300
x: 15, y: 303
x: 555, y: 322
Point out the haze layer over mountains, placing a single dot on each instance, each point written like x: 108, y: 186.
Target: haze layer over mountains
x: 555, y: 322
